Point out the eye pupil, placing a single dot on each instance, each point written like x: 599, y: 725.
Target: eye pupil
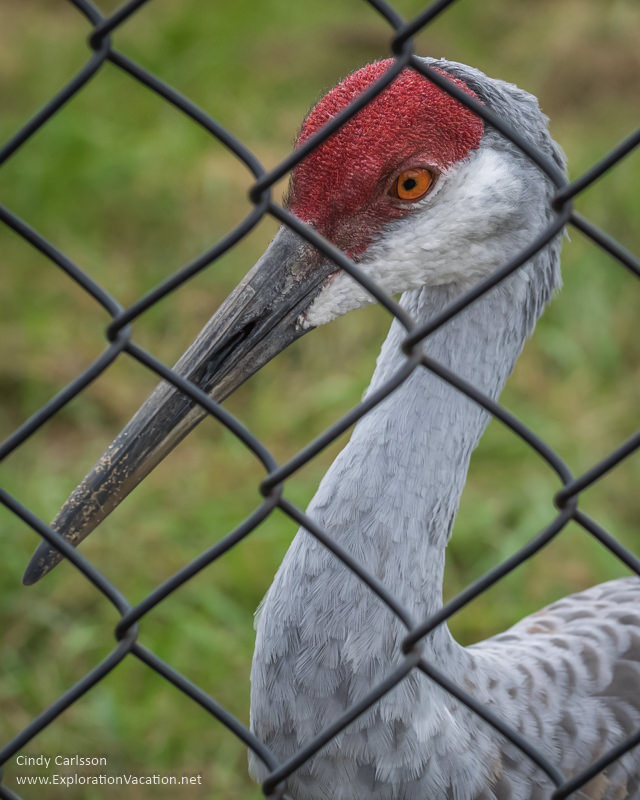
x: 409, y: 184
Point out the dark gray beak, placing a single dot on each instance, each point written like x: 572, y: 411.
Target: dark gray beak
x: 257, y: 321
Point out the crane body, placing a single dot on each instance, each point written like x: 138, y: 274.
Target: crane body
x: 567, y: 677
x: 428, y: 201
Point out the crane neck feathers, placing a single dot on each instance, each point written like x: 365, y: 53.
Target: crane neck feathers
x: 390, y: 498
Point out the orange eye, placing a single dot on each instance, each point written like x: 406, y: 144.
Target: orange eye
x: 412, y: 184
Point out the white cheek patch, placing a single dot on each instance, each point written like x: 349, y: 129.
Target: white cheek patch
x: 475, y: 218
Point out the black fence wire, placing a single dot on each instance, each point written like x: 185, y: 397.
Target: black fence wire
x: 119, y: 339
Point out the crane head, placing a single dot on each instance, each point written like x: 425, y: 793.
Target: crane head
x: 383, y: 161
x: 414, y: 188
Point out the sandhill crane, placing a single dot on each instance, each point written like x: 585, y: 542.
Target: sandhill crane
x: 428, y: 200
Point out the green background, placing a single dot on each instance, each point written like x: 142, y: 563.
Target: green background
x: 131, y: 190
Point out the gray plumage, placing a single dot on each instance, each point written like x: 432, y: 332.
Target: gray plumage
x: 568, y: 677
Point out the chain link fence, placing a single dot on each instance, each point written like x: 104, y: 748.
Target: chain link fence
x: 120, y: 342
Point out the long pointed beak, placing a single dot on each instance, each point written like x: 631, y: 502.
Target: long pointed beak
x: 257, y: 321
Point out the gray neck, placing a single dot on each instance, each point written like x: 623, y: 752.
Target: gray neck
x: 390, y: 499
x: 392, y: 494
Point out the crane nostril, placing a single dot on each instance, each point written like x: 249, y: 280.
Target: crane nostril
x: 222, y: 357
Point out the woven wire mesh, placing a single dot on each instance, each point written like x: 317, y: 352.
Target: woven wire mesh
x: 120, y: 342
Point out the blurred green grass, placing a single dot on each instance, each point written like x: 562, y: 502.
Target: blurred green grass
x: 130, y: 190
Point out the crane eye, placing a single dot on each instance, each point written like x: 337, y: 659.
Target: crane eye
x: 412, y: 184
